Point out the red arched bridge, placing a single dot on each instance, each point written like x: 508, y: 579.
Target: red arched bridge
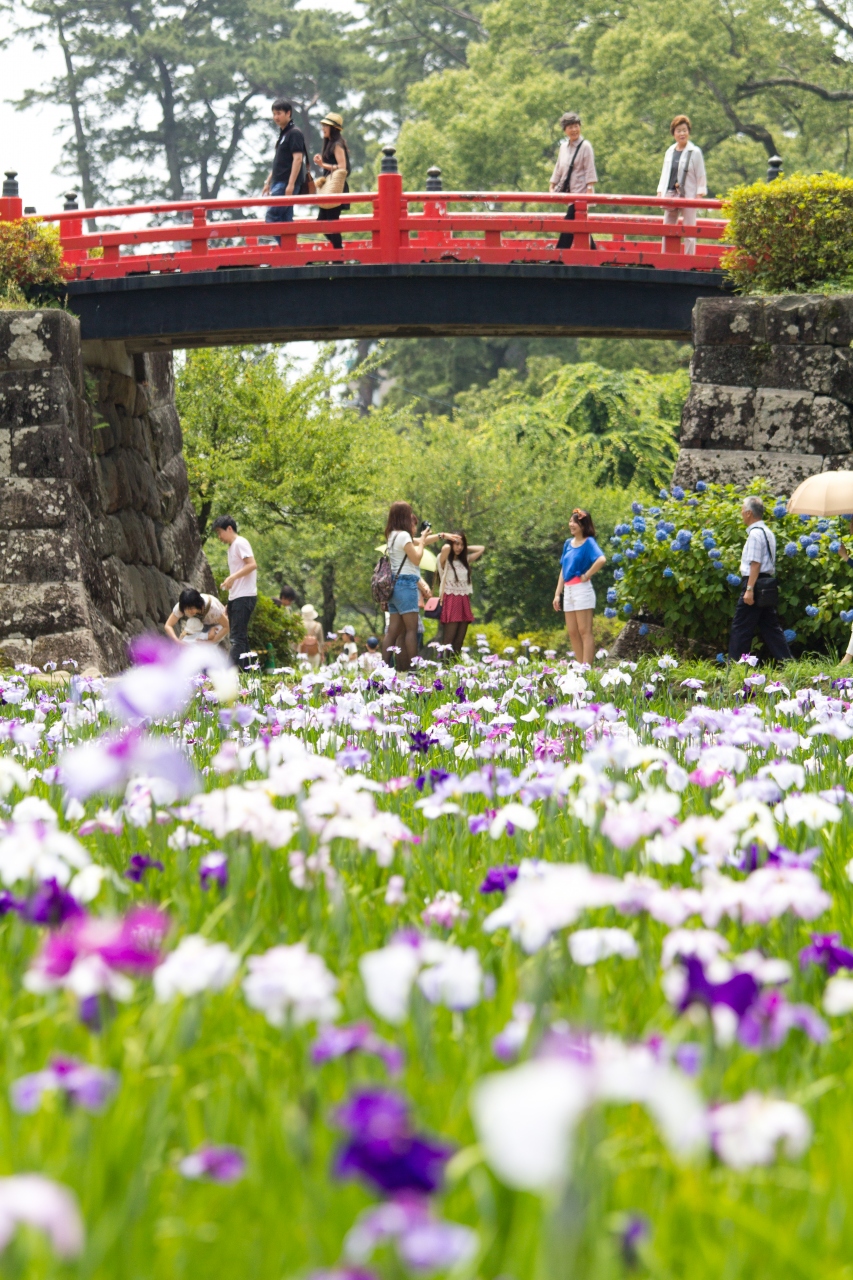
x: 413, y: 264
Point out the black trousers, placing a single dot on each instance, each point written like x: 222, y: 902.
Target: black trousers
x: 748, y: 620
x: 239, y: 613
x: 331, y: 215
x: 566, y: 241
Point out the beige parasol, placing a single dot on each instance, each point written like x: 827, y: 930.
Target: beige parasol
x: 827, y: 494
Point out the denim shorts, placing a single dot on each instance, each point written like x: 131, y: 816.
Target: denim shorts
x: 405, y: 597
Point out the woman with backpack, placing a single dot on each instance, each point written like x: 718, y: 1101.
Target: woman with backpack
x: 405, y: 551
x: 335, y: 162
x: 311, y: 646
x: 454, y: 566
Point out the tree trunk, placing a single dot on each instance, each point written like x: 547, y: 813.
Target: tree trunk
x: 329, y: 603
x: 81, y: 142
x: 364, y: 386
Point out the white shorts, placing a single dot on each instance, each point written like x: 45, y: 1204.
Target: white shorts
x: 581, y: 595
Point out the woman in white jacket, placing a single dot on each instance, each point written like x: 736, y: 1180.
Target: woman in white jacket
x: 683, y: 175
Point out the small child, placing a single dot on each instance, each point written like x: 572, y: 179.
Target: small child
x: 370, y: 660
x: 349, y: 653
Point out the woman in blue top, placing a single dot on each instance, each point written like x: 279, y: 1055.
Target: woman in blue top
x: 581, y: 558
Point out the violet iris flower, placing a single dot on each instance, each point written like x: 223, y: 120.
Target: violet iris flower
x: 480, y: 822
x: 765, y: 1025
x: 498, y: 879
x: 381, y: 1147
x: 738, y: 992
x: 52, y: 905
x: 636, y: 1230
x: 139, y: 864
x: 215, y: 1164
x: 213, y: 869
x: 825, y: 950
x: 84, y: 1086
x: 336, y: 1042
x: 8, y: 902
x: 420, y: 740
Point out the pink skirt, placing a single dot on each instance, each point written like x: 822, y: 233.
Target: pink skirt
x: 456, y: 609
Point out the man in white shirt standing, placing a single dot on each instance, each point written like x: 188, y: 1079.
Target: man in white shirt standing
x: 754, y: 611
x: 574, y: 170
x: 241, y: 585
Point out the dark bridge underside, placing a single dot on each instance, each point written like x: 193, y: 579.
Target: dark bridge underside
x: 281, y: 304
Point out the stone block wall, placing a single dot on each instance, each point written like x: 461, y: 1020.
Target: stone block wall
x: 771, y: 393
x: 97, y: 533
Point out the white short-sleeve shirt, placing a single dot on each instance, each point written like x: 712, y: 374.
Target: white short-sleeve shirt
x: 397, y: 543
x: 239, y: 551
x: 760, y: 545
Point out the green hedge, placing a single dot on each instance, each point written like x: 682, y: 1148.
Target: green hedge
x: 791, y: 235
x: 271, y: 625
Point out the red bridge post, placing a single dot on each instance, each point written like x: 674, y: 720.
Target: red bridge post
x: 390, y: 202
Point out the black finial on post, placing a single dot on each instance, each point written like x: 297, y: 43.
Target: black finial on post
x: 29, y: 208
x: 10, y: 184
x: 71, y: 200
x: 389, y: 160
x: 774, y: 168
x: 433, y: 182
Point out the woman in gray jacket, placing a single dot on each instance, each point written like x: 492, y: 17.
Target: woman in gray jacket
x: 683, y: 175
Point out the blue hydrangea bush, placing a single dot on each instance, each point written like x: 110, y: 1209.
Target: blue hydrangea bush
x: 677, y: 562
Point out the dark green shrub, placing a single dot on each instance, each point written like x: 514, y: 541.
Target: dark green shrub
x: 30, y: 261
x: 271, y: 625
x: 680, y: 587
x: 791, y: 235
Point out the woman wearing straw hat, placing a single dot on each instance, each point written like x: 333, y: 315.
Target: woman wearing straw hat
x: 311, y: 647
x: 335, y: 162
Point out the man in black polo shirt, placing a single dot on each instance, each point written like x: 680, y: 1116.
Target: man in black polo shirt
x: 289, y: 166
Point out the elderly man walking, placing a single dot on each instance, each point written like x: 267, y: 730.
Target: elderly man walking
x: 756, y: 608
x: 574, y: 170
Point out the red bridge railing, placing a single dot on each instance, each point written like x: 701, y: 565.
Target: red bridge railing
x: 387, y: 226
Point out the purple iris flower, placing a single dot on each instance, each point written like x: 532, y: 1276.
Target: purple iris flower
x: 139, y: 864
x: 438, y: 686
x: 84, y: 1086
x: 826, y: 950
x: 782, y: 857
x: 765, y: 1025
x: 480, y: 822
x: 738, y: 992
x: 420, y: 740
x: 498, y: 879
x: 336, y: 1042
x: 689, y: 1057
x: 636, y: 1230
x: 8, y: 902
x: 216, y: 1164
x: 382, y: 1148
x: 334, y: 691
x: 213, y: 869
x: 461, y: 693
x: 52, y: 905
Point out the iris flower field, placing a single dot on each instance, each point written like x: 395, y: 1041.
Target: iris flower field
x: 500, y: 968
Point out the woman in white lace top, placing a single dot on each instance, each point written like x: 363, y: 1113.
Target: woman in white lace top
x: 454, y: 566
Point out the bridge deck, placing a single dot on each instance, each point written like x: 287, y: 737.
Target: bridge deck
x: 324, y: 302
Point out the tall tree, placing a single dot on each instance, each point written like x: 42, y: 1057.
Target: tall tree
x: 172, y: 100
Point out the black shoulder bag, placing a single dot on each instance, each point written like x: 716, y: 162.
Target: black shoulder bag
x: 766, y: 589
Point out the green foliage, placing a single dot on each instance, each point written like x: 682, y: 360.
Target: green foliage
x: 792, y: 234
x: 620, y: 426
x: 272, y: 625
x: 696, y: 601
x: 270, y: 449
x: 30, y: 261
x: 765, y: 76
